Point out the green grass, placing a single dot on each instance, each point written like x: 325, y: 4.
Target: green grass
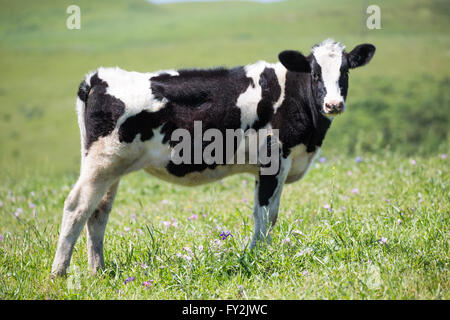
x: 397, y: 111
x: 332, y: 254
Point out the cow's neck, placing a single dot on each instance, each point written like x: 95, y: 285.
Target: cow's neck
x: 299, y: 120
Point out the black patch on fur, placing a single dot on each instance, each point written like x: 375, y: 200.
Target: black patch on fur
x: 343, y: 79
x: 102, y: 111
x: 83, y: 91
x: 270, y: 93
x: 318, y: 86
x: 267, y: 186
x: 142, y: 123
x: 267, y: 183
x: 299, y: 119
x: 209, y: 96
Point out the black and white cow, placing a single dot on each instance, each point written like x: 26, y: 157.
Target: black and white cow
x: 126, y: 121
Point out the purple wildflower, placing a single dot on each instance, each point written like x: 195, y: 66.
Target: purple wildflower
x: 443, y: 156
x: 383, y: 240
x: 1, y: 238
x: 193, y: 217
x: 148, y: 284
x: 358, y: 159
x: 244, y: 182
x: 126, y: 229
x: 287, y: 241
x: 327, y: 206
x: 225, y: 235
x: 304, y: 251
x: 412, y: 162
x: 164, y: 201
x: 322, y: 159
x: 18, y: 212
x: 129, y: 279
x: 166, y: 223
x: 355, y: 190
x: 31, y: 205
x: 133, y: 216
x: 187, y: 258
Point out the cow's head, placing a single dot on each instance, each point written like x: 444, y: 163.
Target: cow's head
x: 328, y: 66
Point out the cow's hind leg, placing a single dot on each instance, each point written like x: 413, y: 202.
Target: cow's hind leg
x: 96, y: 226
x: 78, y: 207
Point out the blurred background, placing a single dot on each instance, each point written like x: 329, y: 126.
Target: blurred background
x: 399, y: 102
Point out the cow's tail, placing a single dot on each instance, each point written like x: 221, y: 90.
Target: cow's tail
x: 83, y: 94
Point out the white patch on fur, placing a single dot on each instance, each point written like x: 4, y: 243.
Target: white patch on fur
x: 133, y: 89
x: 280, y: 71
x: 248, y: 101
x: 80, y: 107
x: 301, y: 162
x: 328, y: 55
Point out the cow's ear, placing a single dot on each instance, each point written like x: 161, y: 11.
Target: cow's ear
x: 294, y: 61
x: 361, y: 55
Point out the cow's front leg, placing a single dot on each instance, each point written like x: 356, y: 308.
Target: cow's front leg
x: 268, y: 190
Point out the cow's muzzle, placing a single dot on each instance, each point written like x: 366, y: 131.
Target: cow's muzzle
x: 334, y: 108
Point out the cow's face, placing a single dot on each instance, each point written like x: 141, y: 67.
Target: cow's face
x: 328, y: 66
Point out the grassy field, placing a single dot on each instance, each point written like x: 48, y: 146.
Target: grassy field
x: 376, y: 229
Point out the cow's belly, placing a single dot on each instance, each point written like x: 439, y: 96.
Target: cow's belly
x: 301, y: 162
x: 200, y: 177
x: 155, y: 156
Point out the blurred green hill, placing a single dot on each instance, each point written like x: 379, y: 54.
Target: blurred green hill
x: 400, y: 101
